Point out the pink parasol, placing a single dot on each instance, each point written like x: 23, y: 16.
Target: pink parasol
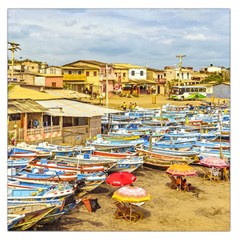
x: 214, y: 162
x: 131, y: 194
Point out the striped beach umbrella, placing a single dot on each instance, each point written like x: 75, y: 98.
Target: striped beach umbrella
x: 181, y: 170
x: 214, y: 162
x: 131, y: 194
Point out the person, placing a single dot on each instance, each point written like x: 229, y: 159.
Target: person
x: 178, y: 182
x: 135, y: 105
x: 185, y: 186
x: 130, y: 106
x: 124, y: 106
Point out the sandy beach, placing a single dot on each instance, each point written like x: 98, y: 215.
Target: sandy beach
x: 207, y: 209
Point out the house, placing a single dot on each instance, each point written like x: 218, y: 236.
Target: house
x: 49, y: 80
x: 137, y: 79
x: 221, y: 90
x: 95, y: 75
x: 39, y: 116
x: 157, y: 76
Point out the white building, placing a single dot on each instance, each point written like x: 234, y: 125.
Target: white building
x: 137, y: 74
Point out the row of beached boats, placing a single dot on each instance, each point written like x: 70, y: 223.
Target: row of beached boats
x: 45, y: 181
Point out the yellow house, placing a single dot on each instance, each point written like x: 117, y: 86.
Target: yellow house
x: 96, y: 75
x: 157, y: 76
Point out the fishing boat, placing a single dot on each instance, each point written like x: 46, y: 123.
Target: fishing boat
x: 32, y: 214
x: 213, y: 145
x: 113, y: 154
x: 14, y: 219
x: 166, y: 155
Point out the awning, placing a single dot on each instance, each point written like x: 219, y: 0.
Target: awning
x: 24, y: 106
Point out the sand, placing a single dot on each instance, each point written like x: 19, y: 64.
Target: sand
x: 168, y: 209
x: 208, y: 209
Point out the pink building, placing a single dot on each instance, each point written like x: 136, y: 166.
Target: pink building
x: 49, y: 80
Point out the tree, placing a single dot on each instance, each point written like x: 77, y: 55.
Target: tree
x: 169, y: 85
x: 217, y: 78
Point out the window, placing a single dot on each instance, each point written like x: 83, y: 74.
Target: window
x: 124, y: 74
x: 79, y: 72
x: 177, y: 74
x: 95, y: 73
x: 87, y: 73
x: 133, y: 73
x: 14, y: 117
x: 164, y: 74
x: 141, y: 73
x: 54, y: 84
x: 69, y: 72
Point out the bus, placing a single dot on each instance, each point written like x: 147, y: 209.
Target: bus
x: 188, y: 92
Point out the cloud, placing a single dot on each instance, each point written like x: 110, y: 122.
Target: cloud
x: 143, y: 36
x: 195, y: 37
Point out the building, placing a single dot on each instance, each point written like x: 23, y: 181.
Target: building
x: 221, y: 90
x: 39, y: 116
x: 49, y: 80
x: 95, y: 74
x: 157, y: 76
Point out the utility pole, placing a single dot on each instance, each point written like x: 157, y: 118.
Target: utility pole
x: 106, y: 85
x: 180, y: 56
x: 14, y: 47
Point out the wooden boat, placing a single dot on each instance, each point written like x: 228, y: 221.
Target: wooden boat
x: 164, y: 163
x: 58, y: 191
x: 87, y: 160
x: 189, y: 153
x: 14, y: 219
x: 120, y: 138
x: 113, y: 154
x: 64, y: 167
x: 162, y: 155
x: 32, y: 214
x: 212, y: 145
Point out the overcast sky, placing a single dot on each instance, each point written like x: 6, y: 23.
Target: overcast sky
x: 151, y: 37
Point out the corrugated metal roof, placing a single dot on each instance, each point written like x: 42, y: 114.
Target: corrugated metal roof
x: 23, y: 93
x: 69, y: 108
x: 24, y: 106
x: 67, y: 93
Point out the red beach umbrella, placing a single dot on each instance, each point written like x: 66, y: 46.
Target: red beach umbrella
x: 213, y: 162
x: 181, y: 170
x: 119, y: 179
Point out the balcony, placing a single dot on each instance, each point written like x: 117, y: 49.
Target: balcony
x: 160, y: 80
x: 75, y: 77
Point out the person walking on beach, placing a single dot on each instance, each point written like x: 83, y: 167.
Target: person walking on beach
x: 124, y: 106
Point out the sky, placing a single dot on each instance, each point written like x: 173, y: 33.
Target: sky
x: 148, y: 37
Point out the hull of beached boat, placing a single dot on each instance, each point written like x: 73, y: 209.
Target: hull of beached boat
x: 14, y: 219
x: 33, y: 214
x: 110, y: 154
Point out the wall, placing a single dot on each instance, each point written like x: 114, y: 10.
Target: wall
x: 137, y: 75
x: 221, y: 91
x: 54, y: 79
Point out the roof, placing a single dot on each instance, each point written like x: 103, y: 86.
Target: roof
x: 154, y: 70
x: 141, y: 82
x: 127, y: 65
x: 24, y: 106
x: 70, y: 94
x: 18, y: 92
x: 70, y: 108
